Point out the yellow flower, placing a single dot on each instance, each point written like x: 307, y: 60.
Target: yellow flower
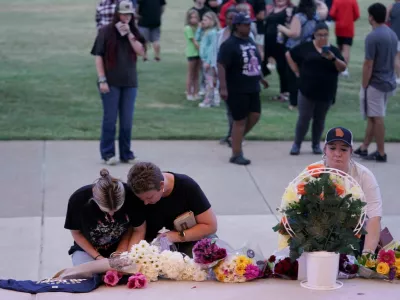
x: 221, y: 277
x: 383, y: 268
x: 241, y: 269
x: 356, y: 192
x: 370, y: 263
x: 289, y: 196
x: 397, y: 263
x: 241, y: 259
x: 283, y: 241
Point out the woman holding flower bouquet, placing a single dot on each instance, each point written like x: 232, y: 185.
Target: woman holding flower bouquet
x: 338, y: 150
x: 103, y: 217
x: 166, y: 197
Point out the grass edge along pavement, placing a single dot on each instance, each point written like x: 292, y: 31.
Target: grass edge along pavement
x: 48, y: 82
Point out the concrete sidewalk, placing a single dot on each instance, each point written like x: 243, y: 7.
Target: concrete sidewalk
x: 37, y: 179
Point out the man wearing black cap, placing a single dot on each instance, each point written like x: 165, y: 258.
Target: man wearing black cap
x: 239, y: 72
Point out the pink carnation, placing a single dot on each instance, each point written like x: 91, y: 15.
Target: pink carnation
x: 137, y: 281
x: 388, y: 257
x: 252, y: 272
x: 111, y: 278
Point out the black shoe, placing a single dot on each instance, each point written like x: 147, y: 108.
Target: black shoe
x: 295, y: 150
x: 376, y: 156
x: 360, y: 152
x: 316, y: 149
x: 240, y: 160
x: 226, y: 140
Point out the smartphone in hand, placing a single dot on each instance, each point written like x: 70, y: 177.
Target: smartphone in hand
x: 325, y: 49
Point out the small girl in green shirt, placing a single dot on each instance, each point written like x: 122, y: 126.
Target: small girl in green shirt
x: 192, y: 54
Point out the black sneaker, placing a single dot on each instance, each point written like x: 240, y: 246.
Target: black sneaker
x: 295, y: 150
x: 361, y: 152
x: 316, y: 149
x: 240, y: 160
x: 376, y: 156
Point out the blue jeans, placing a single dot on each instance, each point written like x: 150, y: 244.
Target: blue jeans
x: 119, y: 100
x: 80, y: 257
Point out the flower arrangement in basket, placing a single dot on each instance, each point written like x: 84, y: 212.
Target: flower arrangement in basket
x: 385, y: 265
x: 323, y: 210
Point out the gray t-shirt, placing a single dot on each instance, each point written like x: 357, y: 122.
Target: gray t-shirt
x: 394, y: 18
x: 381, y: 47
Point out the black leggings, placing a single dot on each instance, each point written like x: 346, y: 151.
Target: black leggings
x: 310, y: 109
x: 277, y: 51
x: 293, y: 86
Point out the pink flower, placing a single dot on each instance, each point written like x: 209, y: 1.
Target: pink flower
x: 388, y: 257
x: 137, y: 281
x: 251, y: 272
x: 111, y: 278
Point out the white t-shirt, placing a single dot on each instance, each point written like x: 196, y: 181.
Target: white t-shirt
x: 369, y: 186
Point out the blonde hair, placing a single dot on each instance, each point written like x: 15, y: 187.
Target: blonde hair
x: 108, y: 192
x: 213, y: 17
x: 189, y: 14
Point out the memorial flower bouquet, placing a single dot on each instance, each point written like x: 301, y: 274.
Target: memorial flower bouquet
x: 136, y: 281
x: 385, y: 265
x: 148, y: 258
x: 281, y: 268
x: 321, y: 212
x: 237, y: 268
x: 207, y: 253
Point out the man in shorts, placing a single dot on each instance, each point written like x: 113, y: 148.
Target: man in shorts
x: 345, y: 13
x: 378, y: 81
x: 149, y: 15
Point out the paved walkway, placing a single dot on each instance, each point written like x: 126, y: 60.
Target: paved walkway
x: 37, y: 178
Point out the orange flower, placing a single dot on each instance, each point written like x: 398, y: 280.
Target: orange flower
x: 358, y: 235
x: 301, y: 188
x: 312, y: 168
x: 321, y: 197
x: 339, y: 189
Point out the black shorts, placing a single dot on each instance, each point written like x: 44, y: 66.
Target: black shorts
x: 241, y: 104
x: 192, y: 58
x: 340, y: 41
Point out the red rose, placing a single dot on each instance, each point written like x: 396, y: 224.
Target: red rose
x: 272, y: 259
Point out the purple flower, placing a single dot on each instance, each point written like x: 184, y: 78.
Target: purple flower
x: 392, y: 273
x: 206, y: 251
x: 251, y: 272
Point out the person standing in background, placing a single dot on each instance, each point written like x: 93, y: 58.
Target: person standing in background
x: 345, y: 13
x: 229, y: 4
x: 199, y: 6
x: 394, y: 21
x: 116, y: 51
x: 105, y: 12
x: 378, y: 81
x: 149, y: 15
x: 213, y: 5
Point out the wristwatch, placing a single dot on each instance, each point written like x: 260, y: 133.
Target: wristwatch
x: 182, y: 235
x: 102, y: 79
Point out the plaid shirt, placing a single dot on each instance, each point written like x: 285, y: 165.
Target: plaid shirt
x: 105, y: 12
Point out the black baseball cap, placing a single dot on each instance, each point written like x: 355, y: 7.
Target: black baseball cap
x: 339, y: 134
x: 241, y: 18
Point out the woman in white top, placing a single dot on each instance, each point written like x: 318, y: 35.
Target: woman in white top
x: 337, y: 154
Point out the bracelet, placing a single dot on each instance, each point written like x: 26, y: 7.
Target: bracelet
x: 97, y: 257
x: 367, y: 251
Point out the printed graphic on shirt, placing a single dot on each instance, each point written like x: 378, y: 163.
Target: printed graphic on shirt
x: 108, y: 232
x: 251, y: 65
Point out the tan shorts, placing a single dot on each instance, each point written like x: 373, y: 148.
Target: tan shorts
x: 373, y: 102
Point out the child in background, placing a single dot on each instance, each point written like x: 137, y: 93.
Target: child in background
x: 192, y: 54
x: 208, y: 33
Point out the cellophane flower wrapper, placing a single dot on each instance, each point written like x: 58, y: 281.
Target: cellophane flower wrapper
x: 208, y: 252
x: 241, y: 265
x: 348, y: 267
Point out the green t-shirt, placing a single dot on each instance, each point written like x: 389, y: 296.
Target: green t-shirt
x: 191, y: 50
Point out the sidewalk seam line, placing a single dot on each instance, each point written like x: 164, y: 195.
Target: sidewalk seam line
x: 43, y: 191
x: 262, y: 195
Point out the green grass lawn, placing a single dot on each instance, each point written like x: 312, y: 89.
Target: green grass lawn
x: 48, y: 81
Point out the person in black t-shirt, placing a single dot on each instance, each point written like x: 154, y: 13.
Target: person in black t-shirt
x: 317, y: 65
x: 149, y: 14
x: 200, y: 7
x: 168, y: 195
x: 103, y: 218
x: 239, y: 72
x: 212, y: 5
x: 116, y: 52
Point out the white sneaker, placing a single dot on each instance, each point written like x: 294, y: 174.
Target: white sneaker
x: 204, y: 105
x: 398, y: 81
x: 112, y: 161
x: 345, y: 73
x: 130, y: 161
x: 190, y: 97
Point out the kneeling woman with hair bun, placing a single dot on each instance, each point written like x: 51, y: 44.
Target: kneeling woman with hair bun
x: 103, y: 218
